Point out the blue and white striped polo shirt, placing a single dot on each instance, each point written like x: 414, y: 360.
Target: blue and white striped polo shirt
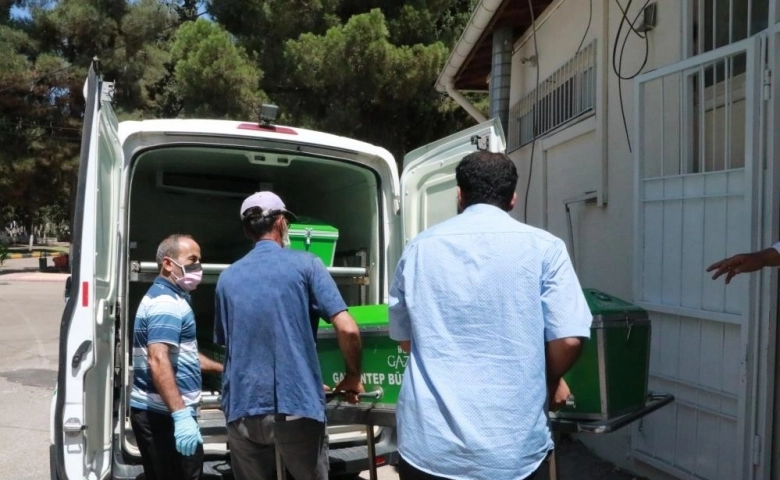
x: 165, y: 316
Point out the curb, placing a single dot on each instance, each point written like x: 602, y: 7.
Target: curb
x: 14, y: 256
x: 34, y: 276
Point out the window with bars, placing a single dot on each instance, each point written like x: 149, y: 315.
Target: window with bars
x: 716, y: 92
x: 563, y: 96
x: 717, y: 23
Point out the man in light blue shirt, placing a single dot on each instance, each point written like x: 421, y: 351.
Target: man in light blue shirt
x: 494, y: 315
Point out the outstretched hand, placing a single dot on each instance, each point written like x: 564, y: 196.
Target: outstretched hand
x: 744, y: 263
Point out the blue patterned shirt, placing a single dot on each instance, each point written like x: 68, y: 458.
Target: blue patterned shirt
x: 478, y: 295
x: 263, y: 316
x: 165, y: 316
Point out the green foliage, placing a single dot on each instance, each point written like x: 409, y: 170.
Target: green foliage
x: 360, y: 68
x: 4, y: 253
x: 213, y: 76
x: 354, y: 81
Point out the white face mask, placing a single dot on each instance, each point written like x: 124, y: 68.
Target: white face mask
x: 286, y: 236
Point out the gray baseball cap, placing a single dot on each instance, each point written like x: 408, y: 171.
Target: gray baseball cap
x: 269, y: 203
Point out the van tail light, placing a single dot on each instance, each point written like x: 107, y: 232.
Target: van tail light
x: 379, y: 461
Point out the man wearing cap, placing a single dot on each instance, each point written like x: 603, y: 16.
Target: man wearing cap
x: 273, y: 393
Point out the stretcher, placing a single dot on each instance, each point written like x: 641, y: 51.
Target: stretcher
x: 599, y: 427
x: 365, y: 413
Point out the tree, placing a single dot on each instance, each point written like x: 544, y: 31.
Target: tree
x: 42, y: 73
x: 39, y: 132
x: 213, y: 76
x: 361, y: 68
x: 353, y: 81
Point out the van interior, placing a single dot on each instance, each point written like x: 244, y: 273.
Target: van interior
x: 198, y: 190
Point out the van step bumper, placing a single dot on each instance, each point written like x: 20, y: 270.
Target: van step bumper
x: 345, y: 460
x: 355, y: 459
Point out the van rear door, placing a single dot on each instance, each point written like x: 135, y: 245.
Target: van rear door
x: 83, y: 409
x: 428, y: 188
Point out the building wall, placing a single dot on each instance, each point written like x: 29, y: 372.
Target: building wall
x: 591, y: 155
x: 573, y: 158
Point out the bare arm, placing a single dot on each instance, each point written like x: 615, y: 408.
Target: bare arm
x: 163, y: 377
x: 560, y: 355
x: 348, y: 336
x: 209, y: 365
x: 745, y: 263
x: 350, y: 344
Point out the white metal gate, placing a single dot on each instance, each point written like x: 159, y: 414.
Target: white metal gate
x: 698, y: 200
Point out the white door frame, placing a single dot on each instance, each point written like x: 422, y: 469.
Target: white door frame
x: 757, y: 329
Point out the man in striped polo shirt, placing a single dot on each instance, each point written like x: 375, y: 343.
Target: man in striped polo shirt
x: 167, y: 367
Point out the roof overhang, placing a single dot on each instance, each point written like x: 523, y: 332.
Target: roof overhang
x: 468, y: 67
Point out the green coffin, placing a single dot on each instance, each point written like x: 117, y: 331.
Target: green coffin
x: 313, y: 236
x: 610, y: 377
x: 383, y: 361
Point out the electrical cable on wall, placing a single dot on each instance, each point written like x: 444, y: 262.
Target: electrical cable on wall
x: 587, y: 29
x: 536, y: 94
x: 571, y: 236
x: 617, y: 61
x: 536, y: 116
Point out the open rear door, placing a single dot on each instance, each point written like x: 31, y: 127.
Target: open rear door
x: 428, y: 187
x: 83, y: 406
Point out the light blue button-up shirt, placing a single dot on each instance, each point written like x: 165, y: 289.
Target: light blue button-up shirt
x: 478, y: 295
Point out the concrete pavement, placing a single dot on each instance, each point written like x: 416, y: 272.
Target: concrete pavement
x: 29, y: 321
x: 22, y: 264
x: 35, y: 254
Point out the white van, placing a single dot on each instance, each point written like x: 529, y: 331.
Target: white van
x: 142, y: 180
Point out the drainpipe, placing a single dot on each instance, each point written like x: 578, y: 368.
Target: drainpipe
x: 501, y: 76
x: 463, y: 102
x: 480, y: 18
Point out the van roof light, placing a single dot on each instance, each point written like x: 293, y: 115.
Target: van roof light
x: 268, y: 113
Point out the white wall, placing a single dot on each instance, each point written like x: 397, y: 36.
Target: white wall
x: 603, y: 236
x: 592, y: 155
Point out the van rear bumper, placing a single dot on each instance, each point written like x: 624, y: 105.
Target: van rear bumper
x: 345, y: 460
x: 352, y: 460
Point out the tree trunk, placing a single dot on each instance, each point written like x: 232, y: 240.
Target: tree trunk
x: 32, y: 234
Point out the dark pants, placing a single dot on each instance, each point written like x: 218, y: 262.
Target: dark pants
x: 408, y: 472
x: 302, y: 444
x: 154, y: 435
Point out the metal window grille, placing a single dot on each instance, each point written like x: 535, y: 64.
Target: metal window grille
x: 566, y: 94
x: 717, y: 23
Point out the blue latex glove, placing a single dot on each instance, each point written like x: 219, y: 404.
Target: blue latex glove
x: 186, y: 431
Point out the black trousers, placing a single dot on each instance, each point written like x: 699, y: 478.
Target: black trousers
x: 408, y: 472
x: 154, y: 434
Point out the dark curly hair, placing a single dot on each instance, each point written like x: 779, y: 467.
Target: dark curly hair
x: 486, y: 177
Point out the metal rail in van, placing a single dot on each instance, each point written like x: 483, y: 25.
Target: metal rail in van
x: 147, y: 271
